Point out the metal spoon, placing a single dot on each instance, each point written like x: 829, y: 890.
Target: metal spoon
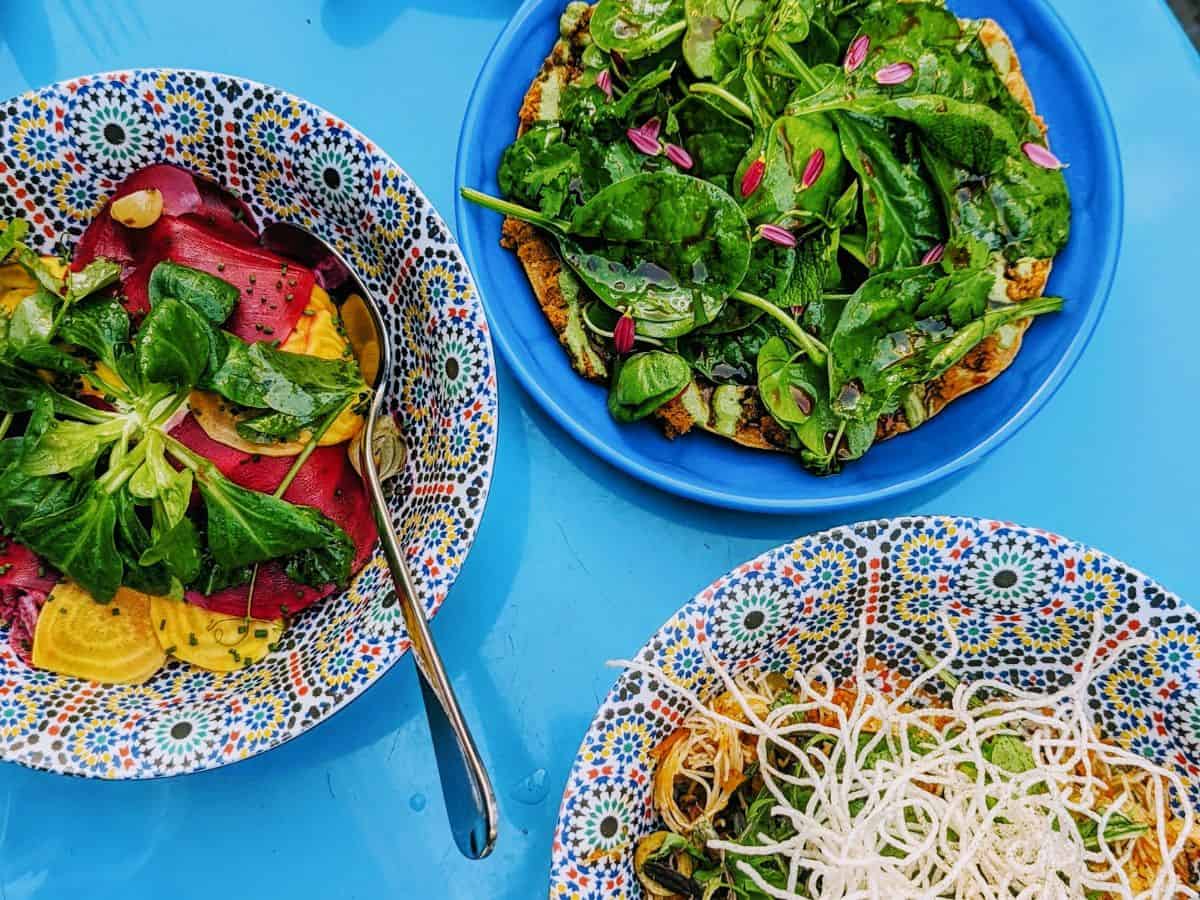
x: 470, y: 800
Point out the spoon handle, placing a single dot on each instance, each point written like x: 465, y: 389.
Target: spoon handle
x: 470, y: 800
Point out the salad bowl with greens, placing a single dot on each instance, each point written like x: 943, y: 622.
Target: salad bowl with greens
x: 188, y: 560
x: 802, y: 227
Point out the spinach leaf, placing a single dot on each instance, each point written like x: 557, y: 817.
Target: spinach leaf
x: 587, y: 110
x: 902, y: 213
x: 969, y: 134
x: 330, y: 562
x: 80, y: 542
x: 1023, y: 211
x: 637, y: 28
x: 716, y: 140
x: 11, y: 236
x: 729, y: 358
x: 883, y: 344
x: 33, y: 320
x: 644, y: 382
x: 302, y: 387
x: 538, y: 169
x: 100, y: 326
x: 712, y: 45
x: 175, y: 344
x: 245, y: 527
x: 95, y: 276
x: 157, y: 480
x: 177, y: 550
x: 786, y: 148
x: 212, y: 297
x: 666, y: 248
x: 787, y: 389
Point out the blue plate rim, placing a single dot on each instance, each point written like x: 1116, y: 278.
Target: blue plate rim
x: 628, y: 462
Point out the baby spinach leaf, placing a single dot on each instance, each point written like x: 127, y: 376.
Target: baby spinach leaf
x: 32, y: 322
x: 716, y: 140
x: 14, y: 231
x: 786, y: 148
x: 729, y: 358
x: 133, y: 542
x: 99, y: 325
x: 330, y: 562
x: 644, y: 382
x: 637, y: 28
x: 1023, y: 211
x: 175, y: 344
x: 969, y: 134
x: 212, y: 297
x: 588, y: 111
x: 538, y: 169
x: 711, y: 45
x: 902, y: 213
x: 178, y: 550
x: 80, y: 542
x: 786, y: 390
x: 245, y: 527
x: 882, y: 344
x: 157, y: 480
x: 260, y: 376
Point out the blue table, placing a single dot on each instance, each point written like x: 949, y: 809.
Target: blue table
x: 560, y: 579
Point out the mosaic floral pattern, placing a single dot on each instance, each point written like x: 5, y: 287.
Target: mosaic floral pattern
x: 1022, y: 602
x: 62, y: 151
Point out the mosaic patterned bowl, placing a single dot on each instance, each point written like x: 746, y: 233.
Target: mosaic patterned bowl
x: 62, y: 151
x: 1023, y: 602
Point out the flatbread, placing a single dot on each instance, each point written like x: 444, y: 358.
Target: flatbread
x: 699, y: 405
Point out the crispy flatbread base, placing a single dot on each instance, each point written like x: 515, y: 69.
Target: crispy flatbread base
x: 755, y: 427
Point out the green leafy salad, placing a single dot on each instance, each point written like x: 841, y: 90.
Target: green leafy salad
x: 802, y: 225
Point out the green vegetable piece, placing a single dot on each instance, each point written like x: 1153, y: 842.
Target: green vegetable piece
x: 67, y: 446
x: 175, y: 344
x: 1118, y: 828
x: 177, y: 549
x: 330, y: 562
x: 716, y: 140
x: 80, y: 541
x: 786, y: 148
x: 644, y: 382
x: 133, y: 541
x: 99, y: 325
x: 902, y: 213
x: 538, y: 169
x: 95, y: 276
x: 32, y: 322
x: 711, y: 45
x: 637, y: 28
x: 212, y: 297
x: 1010, y: 753
x: 11, y: 236
x: 156, y: 479
x: 245, y: 527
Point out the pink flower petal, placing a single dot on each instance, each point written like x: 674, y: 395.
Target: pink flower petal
x: 813, y: 168
x: 896, y: 73
x: 623, y: 334
x: 777, y: 235
x: 1040, y: 156
x: 604, y: 82
x: 857, y: 54
x: 643, y: 142
x: 652, y: 128
x: 753, y: 178
x: 935, y: 254
x: 679, y: 156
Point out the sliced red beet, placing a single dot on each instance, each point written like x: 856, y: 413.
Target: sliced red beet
x: 326, y: 482
x: 24, y: 583
x: 21, y: 568
x: 266, y: 281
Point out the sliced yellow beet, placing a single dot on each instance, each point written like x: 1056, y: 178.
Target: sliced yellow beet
x: 16, y: 284
x: 113, y: 642
x: 215, y: 641
x: 361, y: 333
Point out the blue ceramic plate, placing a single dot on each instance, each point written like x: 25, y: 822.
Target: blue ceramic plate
x: 1023, y: 603
x: 719, y: 472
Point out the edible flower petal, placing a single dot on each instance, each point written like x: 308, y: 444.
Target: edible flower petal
x: 605, y: 83
x: 645, y: 138
x: 777, y: 234
x: 857, y: 54
x: 896, y: 73
x: 753, y: 178
x: 679, y: 156
x: 623, y: 334
x: 1040, y: 156
x: 934, y: 256
x: 813, y: 168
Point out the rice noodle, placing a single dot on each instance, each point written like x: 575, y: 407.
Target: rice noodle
x: 916, y: 824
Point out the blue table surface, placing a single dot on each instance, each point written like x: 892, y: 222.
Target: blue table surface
x: 560, y: 579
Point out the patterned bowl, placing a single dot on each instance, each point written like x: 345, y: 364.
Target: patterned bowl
x: 1021, y: 601
x: 62, y: 150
